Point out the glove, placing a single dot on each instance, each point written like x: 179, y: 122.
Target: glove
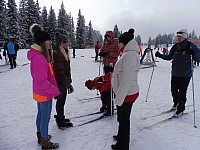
x: 103, y: 54
x: 70, y: 89
x: 157, y: 54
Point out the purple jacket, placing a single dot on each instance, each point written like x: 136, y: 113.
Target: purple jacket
x: 44, y: 83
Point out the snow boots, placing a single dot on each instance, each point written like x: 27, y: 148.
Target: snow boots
x: 39, y: 137
x: 47, y: 144
x: 115, y: 137
x: 103, y: 108
x: 62, y: 122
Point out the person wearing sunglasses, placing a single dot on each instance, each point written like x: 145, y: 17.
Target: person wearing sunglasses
x: 62, y: 72
x: 181, y: 55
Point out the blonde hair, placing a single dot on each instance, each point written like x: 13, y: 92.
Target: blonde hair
x: 65, y: 52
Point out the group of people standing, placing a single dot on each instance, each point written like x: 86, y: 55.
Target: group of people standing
x: 11, y: 48
x: 121, y: 66
x: 51, y: 73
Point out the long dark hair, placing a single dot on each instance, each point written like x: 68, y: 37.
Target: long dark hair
x: 47, y: 53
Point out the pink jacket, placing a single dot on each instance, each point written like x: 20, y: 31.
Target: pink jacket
x: 44, y: 83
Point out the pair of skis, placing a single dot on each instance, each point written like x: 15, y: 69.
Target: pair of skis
x: 166, y: 119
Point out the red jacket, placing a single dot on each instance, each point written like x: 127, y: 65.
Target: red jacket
x: 103, y: 84
x: 97, y: 47
x: 112, y: 47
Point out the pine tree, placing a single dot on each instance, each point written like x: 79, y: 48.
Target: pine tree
x: 116, y: 32
x: 2, y: 20
x: 21, y: 20
x: 89, y: 35
x: 52, y: 24
x: 38, y: 13
x: 72, y: 33
x: 44, y: 19
x: 31, y: 18
x: 62, y: 20
x: 12, y: 15
x: 138, y: 39
x: 80, y: 31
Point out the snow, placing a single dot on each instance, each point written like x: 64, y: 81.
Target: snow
x: 18, y: 111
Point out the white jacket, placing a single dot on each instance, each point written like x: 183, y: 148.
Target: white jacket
x: 124, y: 77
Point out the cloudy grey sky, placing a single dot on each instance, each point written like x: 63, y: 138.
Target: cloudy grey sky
x: 147, y: 17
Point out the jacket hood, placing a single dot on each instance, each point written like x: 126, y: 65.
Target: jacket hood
x: 132, y: 46
x: 109, y: 33
x: 34, y: 50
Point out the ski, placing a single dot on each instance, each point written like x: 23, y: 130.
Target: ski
x: 162, y: 113
x: 165, y: 120
x: 90, y: 114
x: 90, y: 121
x: 86, y: 115
x: 94, y: 120
x: 144, y: 67
x: 88, y: 98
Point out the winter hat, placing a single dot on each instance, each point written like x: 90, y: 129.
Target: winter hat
x: 39, y: 35
x: 182, y: 32
x: 126, y: 36
x: 89, y: 84
x: 109, y: 33
x: 60, y: 38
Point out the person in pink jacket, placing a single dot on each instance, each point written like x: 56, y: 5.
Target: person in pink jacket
x: 44, y: 83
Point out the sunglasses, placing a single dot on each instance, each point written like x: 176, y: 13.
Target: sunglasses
x: 64, y: 41
x: 179, y: 32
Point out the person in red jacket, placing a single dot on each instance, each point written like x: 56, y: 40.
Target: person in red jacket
x: 109, y: 51
x: 103, y: 84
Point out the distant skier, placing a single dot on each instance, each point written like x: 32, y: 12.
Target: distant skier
x: 74, y: 51
x: 97, y: 47
x: 103, y: 84
x: 181, y: 53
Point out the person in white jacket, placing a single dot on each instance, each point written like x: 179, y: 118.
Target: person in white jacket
x: 125, y: 86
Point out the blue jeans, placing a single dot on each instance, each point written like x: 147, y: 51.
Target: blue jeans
x: 43, y: 117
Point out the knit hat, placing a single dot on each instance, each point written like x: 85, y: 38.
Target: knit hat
x: 39, y: 35
x: 60, y: 38
x: 126, y: 36
x: 110, y: 34
x: 89, y: 84
x: 182, y: 32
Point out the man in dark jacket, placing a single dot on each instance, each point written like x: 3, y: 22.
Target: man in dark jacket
x: 182, y: 70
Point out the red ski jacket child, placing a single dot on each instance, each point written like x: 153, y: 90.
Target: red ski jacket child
x: 103, y: 84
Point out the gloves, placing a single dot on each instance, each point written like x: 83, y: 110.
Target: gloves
x: 70, y: 89
x: 157, y: 54
x: 103, y: 54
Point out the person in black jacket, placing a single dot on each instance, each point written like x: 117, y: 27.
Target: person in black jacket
x: 62, y: 72
x: 181, y: 54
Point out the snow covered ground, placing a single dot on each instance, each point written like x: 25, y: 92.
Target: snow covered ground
x: 18, y: 111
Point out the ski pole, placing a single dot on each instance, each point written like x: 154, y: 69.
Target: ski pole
x: 150, y: 81
x: 99, y: 72
x: 193, y: 95
x: 111, y: 90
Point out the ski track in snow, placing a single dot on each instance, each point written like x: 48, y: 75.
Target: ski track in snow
x: 18, y: 110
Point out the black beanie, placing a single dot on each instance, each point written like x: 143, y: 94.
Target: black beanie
x: 39, y: 35
x: 126, y: 36
x: 60, y: 38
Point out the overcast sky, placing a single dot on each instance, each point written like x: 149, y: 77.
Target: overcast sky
x: 147, y: 17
